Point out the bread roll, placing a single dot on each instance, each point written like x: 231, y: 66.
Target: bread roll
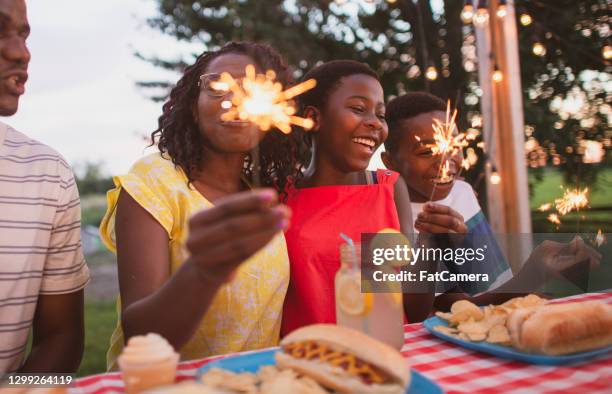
x: 561, y: 328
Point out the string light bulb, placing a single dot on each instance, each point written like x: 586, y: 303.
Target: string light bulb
x: 391, y: 1
x: 431, y: 73
x: 538, y: 49
x: 495, y: 177
x: 606, y: 51
x: 497, y: 76
x: 502, y: 9
x: 467, y: 13
x: 525, y: 19
x: 481, y: 19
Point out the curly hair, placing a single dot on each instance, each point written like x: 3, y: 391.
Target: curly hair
x: 408, y: 106
x: 179, y: 136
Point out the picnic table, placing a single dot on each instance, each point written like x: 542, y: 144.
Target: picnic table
x: 454, y: 368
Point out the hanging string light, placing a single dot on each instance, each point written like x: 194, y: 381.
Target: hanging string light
x: 497, y: 75
x: 495, y: 177
x: 431, y: 73
x: 525, y: 19
x: 606, y: 51
x: 538, y: 49
x: 481, y: 19
x: 502, y: 9
x: 468, y: 11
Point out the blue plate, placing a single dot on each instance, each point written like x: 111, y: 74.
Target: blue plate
x: 510, y: 352
x: 251, y: 362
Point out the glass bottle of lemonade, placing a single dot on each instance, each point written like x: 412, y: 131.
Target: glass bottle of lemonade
x: 379, y: 315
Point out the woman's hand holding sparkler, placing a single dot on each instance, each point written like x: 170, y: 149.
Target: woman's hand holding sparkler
x: 223, y: 237
x: 438, y: 218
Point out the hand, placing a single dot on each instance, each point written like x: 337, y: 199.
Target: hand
x: 222, y: 237
x: 438, y: 218
x: 559, y: 257
x: 572, y: 261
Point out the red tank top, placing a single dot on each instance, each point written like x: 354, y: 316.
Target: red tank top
x: 320, y: 214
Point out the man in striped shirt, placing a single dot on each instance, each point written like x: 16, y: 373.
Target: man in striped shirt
x: 42, y: 267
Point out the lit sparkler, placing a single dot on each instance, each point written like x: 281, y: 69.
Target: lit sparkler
x: 446, y: 143
x: 572, y: 200
x: 445, y: 175
x: 444, y: 140
x: 261, y: 100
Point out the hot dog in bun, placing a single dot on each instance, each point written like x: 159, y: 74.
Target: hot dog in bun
x: 344, y: 360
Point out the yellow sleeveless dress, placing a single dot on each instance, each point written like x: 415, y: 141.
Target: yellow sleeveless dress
x: 246, y: 313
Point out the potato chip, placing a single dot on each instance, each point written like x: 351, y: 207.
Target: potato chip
x: 227, y: 380
x: 473, y: 328
x: 499, y: 334
x: 446, y: 330
x: 477, y: 337
x: 444, y: 315
x: 462, y: 310
x: 463, y: 336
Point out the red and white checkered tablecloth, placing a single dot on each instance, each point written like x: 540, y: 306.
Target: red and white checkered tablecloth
x: 455, y: 369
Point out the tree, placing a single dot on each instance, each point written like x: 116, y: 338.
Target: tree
x: 401, y: 38
x: 91, y: 180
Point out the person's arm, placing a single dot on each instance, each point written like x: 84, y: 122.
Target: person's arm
x: 418, y: 304
x: 220, y: 238
x: 58, y: 334
x: 548, y: 260
x: 57, y: 326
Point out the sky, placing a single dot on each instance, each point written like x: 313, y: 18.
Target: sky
x: 81, y: 97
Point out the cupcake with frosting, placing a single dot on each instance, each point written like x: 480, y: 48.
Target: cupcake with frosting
x: 147, y: 361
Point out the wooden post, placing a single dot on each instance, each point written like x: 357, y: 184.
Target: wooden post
x: 503, y: 130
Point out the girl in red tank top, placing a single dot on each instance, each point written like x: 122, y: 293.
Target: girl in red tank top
x: 336, y: 194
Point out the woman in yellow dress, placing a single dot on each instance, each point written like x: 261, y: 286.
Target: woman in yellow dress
x: 222, y: 289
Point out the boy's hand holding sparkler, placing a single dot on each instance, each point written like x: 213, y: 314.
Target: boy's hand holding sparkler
x: 438, y: 218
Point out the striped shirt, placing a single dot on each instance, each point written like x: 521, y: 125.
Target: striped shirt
x: 40, y: 240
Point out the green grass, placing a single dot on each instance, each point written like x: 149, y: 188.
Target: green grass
x: 100, y: 320
x: 598, y: 215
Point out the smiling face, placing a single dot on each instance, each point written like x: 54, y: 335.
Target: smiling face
x: 14, y: 55
x: 352, y: 124
x: 225, y: 136
x: 415, y: 161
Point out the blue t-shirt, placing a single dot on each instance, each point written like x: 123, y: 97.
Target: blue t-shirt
x: 463, y: 200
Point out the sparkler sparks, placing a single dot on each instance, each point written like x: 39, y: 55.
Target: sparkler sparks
x: 544, y: 207
x: 573, y: 199
x: 446, y: 143
x: 445, y: 176
x: 600, y: 239
x: 554, y: 218
x: 261, y: 100
x: 444, y: 140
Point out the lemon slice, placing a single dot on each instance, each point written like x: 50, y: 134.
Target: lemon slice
x: 350, y: 298
x: 390, y: 242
